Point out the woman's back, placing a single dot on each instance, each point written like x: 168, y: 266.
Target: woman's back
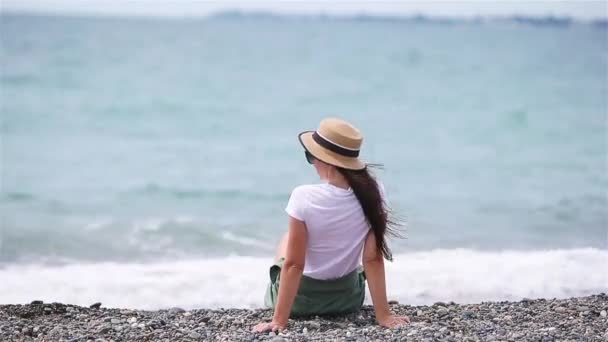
x: 333, y: 227
x: 336, y: 227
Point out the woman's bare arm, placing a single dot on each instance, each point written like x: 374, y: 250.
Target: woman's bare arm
x: 291, y: 273
x: 373, y: 264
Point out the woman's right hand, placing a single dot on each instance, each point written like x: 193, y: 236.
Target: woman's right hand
x: 391, y: 321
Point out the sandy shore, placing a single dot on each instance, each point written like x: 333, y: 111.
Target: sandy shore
x: 574, y: 319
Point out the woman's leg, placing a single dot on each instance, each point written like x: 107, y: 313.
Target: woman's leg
x: 282, y: 248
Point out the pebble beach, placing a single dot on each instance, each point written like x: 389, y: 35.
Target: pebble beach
x: 574, y: 319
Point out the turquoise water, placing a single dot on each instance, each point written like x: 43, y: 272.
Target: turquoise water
x: 139, y: 139
x: 146, y: 163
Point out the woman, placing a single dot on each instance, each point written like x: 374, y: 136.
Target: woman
x: 332, y: 228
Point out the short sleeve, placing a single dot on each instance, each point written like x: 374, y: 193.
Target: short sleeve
x: 297, y: 204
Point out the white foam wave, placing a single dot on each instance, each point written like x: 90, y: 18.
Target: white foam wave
x: 463, y: 276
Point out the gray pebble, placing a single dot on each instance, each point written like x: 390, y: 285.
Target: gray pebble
x: 314, y: 325
x: 104, y: 329
x: 442, y: 312
x: 468, y: 313
x: 540, y: 321
x: 55, y: 331
x: 194, y: 335
x: 176, y: 310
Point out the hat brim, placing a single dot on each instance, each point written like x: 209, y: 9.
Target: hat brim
x: 328, y: 156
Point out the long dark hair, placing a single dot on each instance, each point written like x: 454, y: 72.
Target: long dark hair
x: 378, y: 214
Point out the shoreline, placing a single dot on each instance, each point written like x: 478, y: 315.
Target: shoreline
x: 578, y: 318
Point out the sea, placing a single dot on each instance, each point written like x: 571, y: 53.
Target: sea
x: 146, y: 162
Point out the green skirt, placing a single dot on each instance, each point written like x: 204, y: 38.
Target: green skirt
x: 320, y: 297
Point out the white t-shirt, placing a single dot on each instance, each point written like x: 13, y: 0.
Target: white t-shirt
x: 336, y: 227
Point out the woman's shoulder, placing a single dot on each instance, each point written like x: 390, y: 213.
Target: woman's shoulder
x: 308, y: 188
x: 300, y: 200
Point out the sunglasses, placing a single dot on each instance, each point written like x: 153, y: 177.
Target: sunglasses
x: 309, y: 157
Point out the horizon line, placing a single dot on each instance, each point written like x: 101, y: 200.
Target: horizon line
x: 521, y: 18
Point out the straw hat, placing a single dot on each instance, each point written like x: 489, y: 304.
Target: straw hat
x: 335, y: 142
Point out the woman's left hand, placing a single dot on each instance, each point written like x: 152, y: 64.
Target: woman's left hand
x: 269, y: 326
